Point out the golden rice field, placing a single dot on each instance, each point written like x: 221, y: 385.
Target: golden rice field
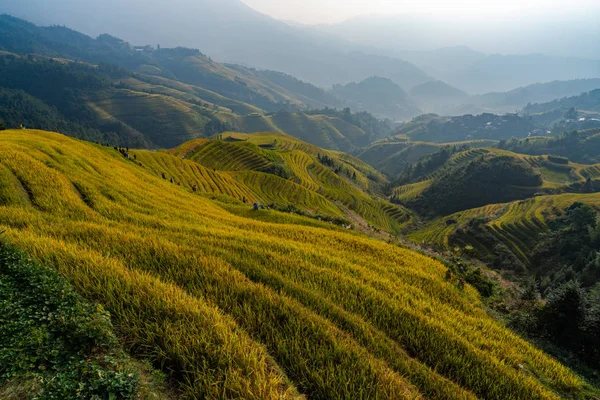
x: 412, y: 190
x: 242, y: 308
x: 311, y: 186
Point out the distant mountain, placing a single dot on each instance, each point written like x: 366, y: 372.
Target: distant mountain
x: 379, y: 95
x: 106, y: 90
x: 506, y: 32
x: 187, y: 65
x: 437, y: 96
x: 442, y: 61
x: 536, y: 93
x: 228, y: 31
x: 503, y: 72
x: 440, y: 98
x: 507, y: 54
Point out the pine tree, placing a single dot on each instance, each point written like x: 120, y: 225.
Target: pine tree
x: 2, y: 127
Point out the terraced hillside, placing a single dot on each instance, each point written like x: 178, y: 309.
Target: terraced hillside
x: 189, y: 66
x: 233, y: 307
x: 320, y: 129
x: 277, y: 168
x: 516, y: 225
x: 477, y: 177
x: 393, y: 154
x: 104, y: 90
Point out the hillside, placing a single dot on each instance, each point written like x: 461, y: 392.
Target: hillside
x: 475, y: 178
x: 456, y: 176
x: 252, y: 38
x: 396, y: 153
x: 326, y: 128
x: 233, y: 306
x: 589, y: 101
x: 190, y: 66
x: 517, y: 224
x: 286, y: 174
x: 117, y: 106
x: 578, y: 146
x: 438, y: 97
x: 586, y: 112
x: 435, y: 128
x: 378, y: 95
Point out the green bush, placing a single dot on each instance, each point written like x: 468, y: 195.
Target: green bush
x: 51, y: 336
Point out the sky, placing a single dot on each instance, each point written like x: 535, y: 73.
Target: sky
x: 332, y: 11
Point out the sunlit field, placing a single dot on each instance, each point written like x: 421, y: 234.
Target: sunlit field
x: 256, y: 307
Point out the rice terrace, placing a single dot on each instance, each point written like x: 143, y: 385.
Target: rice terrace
x: 284, y: 201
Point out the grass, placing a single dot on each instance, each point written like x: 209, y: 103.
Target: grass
x: 233, y: 307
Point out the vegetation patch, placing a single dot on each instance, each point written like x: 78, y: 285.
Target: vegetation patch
x: 53, y: 344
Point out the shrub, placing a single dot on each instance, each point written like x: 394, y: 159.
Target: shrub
x: 50, y: 335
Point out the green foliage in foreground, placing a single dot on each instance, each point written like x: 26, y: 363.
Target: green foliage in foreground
x: 53, y: 344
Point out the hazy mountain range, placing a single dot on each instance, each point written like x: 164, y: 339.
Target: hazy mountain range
x: 574, y: 33
x: 227, y: 30
x: 230, y: 31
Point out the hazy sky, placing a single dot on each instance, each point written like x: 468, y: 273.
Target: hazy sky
x: 329, y: 11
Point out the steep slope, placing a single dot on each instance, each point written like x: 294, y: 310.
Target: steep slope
x: 234, y: 307
x: 113, y: 105
x: 289, y: 173
x: 450, y: 181
x: 517, y: 225
x: 396, y: 153
x: 56, y: 344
